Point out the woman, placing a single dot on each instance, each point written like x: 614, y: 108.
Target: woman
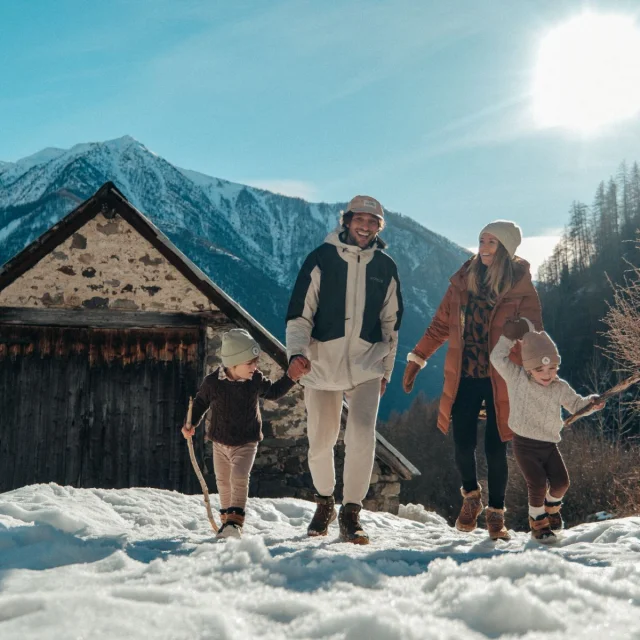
x: 488, y: 289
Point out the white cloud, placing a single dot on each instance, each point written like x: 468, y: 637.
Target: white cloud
x: 535, y: 250
x: 293, y: 188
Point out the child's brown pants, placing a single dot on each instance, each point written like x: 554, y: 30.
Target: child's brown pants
x: 232, y: 466
x: 541, y: 462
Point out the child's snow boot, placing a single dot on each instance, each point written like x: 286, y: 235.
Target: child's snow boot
x: 350, y: 528
x: 223, y: 515
x: 232, y: 525
x: 325, y: 514
x: 552, y: 510
x: 471, y: 509
x: 495, y: 524
x: 541, y: 531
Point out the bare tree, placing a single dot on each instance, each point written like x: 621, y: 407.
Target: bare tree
x: 623, y: 323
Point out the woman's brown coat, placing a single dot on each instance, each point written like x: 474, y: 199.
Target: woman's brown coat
x: 448, y: 324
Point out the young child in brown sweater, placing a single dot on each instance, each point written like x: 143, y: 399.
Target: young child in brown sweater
x: 536, y: 396
x: 232, y: 392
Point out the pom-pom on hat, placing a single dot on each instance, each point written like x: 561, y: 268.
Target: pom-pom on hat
x: 238, y: 347
x: 538, y: 349
x: 509, y: 234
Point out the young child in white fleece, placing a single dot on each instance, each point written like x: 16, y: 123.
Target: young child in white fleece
x: 536, y: 395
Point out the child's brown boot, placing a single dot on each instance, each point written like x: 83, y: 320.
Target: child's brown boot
x: 552, y: 510
x: 232, y: 526
x: 470, y: 510
x: 495, y: 524
x: 541, y: 531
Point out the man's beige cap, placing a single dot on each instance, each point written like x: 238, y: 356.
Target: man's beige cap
x: 365, y: 204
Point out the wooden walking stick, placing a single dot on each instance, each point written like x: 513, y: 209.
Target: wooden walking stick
x: 619, y: 388
x: 196, y: 468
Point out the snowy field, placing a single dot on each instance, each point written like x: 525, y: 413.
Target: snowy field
x: 143, y: 563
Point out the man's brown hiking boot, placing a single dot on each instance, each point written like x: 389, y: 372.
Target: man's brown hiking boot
x: 350, y: 527
x: 553, y: 513
x: 495, y: 524
x: 325, y: 514
x: 541, y: 531
x: 471, y: 509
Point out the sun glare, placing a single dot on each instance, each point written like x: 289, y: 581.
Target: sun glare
x: 588, y: 73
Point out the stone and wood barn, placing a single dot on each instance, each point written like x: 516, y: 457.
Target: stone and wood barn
x: 106, y: 329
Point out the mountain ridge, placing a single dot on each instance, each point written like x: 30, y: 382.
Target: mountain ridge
x: 250, y: 241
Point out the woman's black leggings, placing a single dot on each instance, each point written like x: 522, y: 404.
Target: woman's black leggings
x: 464, y: 415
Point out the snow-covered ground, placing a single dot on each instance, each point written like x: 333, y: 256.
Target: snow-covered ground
x: 143, y: 563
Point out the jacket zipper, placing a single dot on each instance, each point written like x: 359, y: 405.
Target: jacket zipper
x: 353, y: 316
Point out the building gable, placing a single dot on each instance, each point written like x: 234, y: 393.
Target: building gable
x: 106, y: 264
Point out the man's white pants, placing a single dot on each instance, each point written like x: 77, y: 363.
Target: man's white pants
x: 323, y: 426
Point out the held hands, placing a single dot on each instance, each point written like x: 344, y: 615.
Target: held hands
x: 298, y: 367
x: 408, y: 379
x: 515, y: 328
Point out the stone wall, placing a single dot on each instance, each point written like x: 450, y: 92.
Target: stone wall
x: 105, y: 265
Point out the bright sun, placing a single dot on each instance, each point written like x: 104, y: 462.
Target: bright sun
x: 588, y: 73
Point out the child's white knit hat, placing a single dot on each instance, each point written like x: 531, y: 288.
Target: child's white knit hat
x: 238, y: 347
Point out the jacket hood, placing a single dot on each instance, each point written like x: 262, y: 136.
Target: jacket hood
x: 522, y: 270
x: 334, y: 239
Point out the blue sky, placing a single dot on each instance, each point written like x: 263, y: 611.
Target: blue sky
x: 425, y: 105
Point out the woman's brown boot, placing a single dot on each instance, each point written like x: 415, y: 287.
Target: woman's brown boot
x: 470, y: 510
x: 495, y: 524
x: 541, y: 530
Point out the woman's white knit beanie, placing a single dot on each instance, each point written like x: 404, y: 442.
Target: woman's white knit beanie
x: 509, y: 234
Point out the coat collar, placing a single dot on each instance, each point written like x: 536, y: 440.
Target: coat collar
x: 522, y: 276
x: 222, y: 375
x: 334, y: 239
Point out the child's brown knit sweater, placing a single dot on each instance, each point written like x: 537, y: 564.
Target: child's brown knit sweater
x: 235, y: 412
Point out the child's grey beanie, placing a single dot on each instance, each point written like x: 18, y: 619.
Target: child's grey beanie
x: 238, y: 347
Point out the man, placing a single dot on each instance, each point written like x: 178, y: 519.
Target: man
x: 342, y: 328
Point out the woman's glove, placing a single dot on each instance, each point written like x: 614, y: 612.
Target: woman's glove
x: 410, y: 372
x: 515, y: 328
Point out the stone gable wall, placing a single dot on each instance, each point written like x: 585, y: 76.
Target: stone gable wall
x: 105, y: 265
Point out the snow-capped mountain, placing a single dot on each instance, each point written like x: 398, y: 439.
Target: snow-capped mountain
x: 249, y: 241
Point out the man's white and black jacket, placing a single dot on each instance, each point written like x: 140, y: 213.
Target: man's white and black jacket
x: 344, y: 314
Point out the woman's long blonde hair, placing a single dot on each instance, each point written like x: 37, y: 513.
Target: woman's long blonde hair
x: 496, y: 280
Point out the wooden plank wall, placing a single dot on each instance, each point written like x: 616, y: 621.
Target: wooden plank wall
x: 97, y: 407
